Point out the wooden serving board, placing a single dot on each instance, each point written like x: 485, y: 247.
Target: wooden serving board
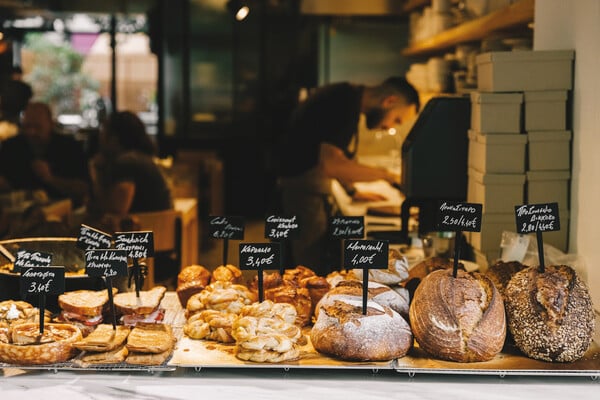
x: 204, y: 353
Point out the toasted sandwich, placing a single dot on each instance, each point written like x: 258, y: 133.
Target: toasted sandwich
x: 145, y: 308
x: 83, y: 308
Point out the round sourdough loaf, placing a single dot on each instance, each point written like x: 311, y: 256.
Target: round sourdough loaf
x: 458, y: 319
x: 344, y: 332
x: 550, y: 313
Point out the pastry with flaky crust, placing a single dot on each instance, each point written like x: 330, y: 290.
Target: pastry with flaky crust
x: 25, y: 346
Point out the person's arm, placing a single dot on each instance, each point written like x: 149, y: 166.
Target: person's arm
x: 73, y: 188
x: 336, y: 165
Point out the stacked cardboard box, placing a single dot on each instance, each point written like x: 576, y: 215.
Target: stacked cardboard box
x: 519, y: 146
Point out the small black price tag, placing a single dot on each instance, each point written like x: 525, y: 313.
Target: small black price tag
x: 347, y: 227
x: 90, y: 238
x: 106, y: 262
x: 136, y: 244
x: 26, y: 259
x: 42, y: 280
x: 366, y: 254
x: 537, y: 218
x: 278, y: 227
x: 459, y: 216
x: 259, y: 256
x: 226, y: 227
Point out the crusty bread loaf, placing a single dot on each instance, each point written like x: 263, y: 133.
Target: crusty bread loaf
x: 191, y: 280
x: 377, y: 292
x: 342, y: 331
x: 550, y: 313
x: 84, y: 302
x: 501, y: 272
x: 128, y: 303
x: 396, y: 272
x: 458, y: 319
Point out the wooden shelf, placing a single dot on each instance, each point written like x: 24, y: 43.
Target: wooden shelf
x: 514, y: 15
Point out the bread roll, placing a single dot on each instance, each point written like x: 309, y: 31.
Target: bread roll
x: 458, y: 319
x: 342, y: 331
x: 298, y: 297
x: 550, y: 313
x: 226, y: 273
x: 191, y: 280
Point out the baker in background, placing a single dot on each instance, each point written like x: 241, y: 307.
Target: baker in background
x: 320, y: 145
x: 41, y: 158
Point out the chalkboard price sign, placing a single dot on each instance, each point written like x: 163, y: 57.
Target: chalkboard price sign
x: 90, y: 238
x: 458, y: 216
x: 366, y: 254
x: 347, y: 227
x: 28, y: 259
x: 259, y: 256
x: 533, y: 218
x: 106, y: 262
x: 42, y: 280
x: 221, y: 227
x: 280, y: 227
x: 136, y: 244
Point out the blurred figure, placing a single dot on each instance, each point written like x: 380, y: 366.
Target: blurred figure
x: 14, y: 96
x: 41, y: 158
x: 125, y: 177
x: 320, y: 145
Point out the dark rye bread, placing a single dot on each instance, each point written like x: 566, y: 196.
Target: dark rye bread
x: 458, y: 319
x: 550, y: 314
x: 501, y: 272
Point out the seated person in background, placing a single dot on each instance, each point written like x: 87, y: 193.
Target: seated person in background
x: 41, y: 158
x: 125, y: 177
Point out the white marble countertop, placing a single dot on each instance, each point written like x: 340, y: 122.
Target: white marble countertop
x: 278, y: 384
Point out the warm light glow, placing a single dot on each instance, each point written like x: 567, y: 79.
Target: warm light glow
x: 392, y: 131
x: 242, y: 13
x: 1, y: 35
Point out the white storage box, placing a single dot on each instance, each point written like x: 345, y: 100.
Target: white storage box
x: 492, y: 226
x: 498, y: 193
x: 497, y: 153
x: 548, y: 187
x: 549, y: 151
x: 513, y: 71
x: 545, y: 110
x: 559, y: 239
x: 496, y: 112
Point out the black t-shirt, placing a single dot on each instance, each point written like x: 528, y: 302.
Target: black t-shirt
x: 64, y: 155
x: 331, y: 116
x: 151, y: 189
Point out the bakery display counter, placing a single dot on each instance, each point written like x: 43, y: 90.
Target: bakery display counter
x: 203, y: 354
